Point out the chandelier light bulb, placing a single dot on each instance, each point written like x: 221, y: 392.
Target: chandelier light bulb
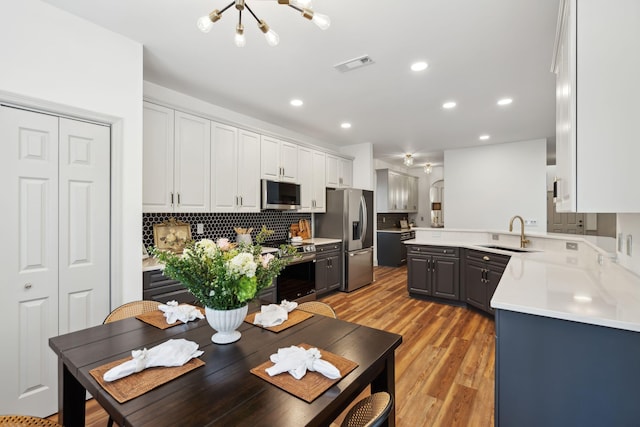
x: 427, y: 168
x: 240, y: 39
x: 205, y: 24
x: 408, y: 160
x: 322, y: 21
x: 273, y: 39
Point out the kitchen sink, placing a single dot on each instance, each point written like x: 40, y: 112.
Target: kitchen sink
x: 507, y: 248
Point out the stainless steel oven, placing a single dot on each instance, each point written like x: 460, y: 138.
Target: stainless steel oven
x: 297, y: 282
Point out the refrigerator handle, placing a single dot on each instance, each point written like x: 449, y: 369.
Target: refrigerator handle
x: 363, y: 219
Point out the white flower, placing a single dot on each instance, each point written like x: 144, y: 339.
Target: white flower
x: 208, y: 246
x: 243, y: 264
x: 223, y: 243
x: 265, y: 259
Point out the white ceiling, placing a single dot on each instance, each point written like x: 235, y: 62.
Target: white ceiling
x: 478, y: 52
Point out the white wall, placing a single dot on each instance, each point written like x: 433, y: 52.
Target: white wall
x: 485, y: 186
x: 59, y: 62
x: 363, y: 173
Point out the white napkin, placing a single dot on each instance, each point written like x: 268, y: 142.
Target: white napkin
x: 296, y: 360
x: 273, y: 314
x: 169, y: 353
x: 184, y: 313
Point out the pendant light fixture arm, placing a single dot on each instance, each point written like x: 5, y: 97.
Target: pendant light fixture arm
x: 252, y: 14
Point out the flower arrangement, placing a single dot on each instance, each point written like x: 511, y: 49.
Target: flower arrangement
x: 223, y: 275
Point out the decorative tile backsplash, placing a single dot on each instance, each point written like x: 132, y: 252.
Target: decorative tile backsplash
x: 218, y: 225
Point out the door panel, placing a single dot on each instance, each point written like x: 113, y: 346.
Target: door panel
x: 84, y: 224
x: 29, y: 277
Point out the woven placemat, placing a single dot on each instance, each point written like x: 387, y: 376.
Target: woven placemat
x: 156, y: 318
x: 295, y: 317
x: 313, y: 384
x: 137, y: 384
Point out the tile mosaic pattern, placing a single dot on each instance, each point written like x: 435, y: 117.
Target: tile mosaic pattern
x: 218, y: 225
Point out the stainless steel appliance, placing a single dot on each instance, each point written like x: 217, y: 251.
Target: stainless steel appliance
x: 349, y: 217
x: 280, y: 195
x: 297, y: 281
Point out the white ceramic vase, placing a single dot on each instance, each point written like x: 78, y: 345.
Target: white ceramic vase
x: 225, y: 322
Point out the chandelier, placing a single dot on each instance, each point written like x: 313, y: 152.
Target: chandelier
x: 205, y: 23
x: 427, y: 168
x: 408, y: 160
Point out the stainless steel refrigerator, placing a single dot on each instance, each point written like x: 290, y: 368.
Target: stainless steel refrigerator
x: 349, y: 217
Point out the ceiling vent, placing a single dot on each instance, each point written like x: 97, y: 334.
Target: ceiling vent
x: 354, y: 63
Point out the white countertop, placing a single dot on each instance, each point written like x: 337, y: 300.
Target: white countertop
x: 583, y: 285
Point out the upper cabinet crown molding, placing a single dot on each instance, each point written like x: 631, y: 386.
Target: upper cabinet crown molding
x: 596, y: 133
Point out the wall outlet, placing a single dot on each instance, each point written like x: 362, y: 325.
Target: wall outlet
x: 495, y: 237
x: 619, y: 242
x: 629, y: 244
x: 531, y: 222
x: 572, y: 246
x: 200, y: 228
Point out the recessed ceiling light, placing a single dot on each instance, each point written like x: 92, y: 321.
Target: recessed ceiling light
x: 419, y: 66
x: 449, y: 104
x: 505, y: 101
x: 484, y: 137
x: 345, y: 125
x: 296, y: 102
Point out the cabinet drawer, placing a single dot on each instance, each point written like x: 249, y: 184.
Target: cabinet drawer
x: 327, y: 249
x: 498, y: 260
x: 434, y: 250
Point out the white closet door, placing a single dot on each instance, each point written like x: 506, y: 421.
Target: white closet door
x: 84, y: 224
x: 29, y: 254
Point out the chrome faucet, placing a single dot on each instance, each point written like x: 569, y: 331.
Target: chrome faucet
x: 523, y: 240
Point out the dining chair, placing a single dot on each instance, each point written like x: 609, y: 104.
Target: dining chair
x: 318, y: 307
x: 371, y: 411
x: 25, y: 421
x: 131, y: 309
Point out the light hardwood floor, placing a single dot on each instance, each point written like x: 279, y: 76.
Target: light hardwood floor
x: 444, y: 367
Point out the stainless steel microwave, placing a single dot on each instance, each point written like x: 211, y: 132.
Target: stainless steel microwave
x: 280, y: 195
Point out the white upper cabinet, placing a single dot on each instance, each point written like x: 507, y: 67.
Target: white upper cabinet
x: 312, y: 180
x: 175, y: 161
x: 339, y: 172
x: 598, y: 45
x: 279, y: 160
x: 396, y: 192
x: 235, y: 169
x: 191, y: 163
x: 157, y: 159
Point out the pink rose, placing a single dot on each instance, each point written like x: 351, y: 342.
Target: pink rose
x: 265, y: 259
x: 223, y: 243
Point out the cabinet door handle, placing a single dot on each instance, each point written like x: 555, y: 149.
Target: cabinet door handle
x: 171, y: 199
x: 178, y: 199
x: 241, y: 200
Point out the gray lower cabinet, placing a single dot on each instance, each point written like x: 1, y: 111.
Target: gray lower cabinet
x: 433, y: 271
x: 391, y: 251
x: 328, y: 268
x: 482, y: 272
x: 553, y: 372
x: 158, y: 287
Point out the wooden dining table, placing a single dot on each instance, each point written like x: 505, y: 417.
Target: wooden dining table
x: 223, y: 391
